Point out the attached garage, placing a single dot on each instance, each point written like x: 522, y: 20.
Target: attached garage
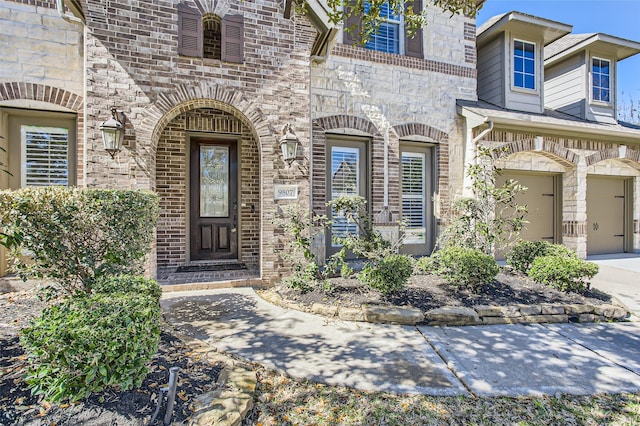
x: 607, y: 219
x: 543, y: 201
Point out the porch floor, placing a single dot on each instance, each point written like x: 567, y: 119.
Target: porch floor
x: 170, y: 276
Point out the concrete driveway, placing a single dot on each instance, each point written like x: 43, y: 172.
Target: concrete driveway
x: 482, y: 360
x: 619, y: 276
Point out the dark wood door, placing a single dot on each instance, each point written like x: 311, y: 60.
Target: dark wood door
x: 214, y: 199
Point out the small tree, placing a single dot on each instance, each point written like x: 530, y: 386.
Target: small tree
x: 371, y: 16
x: 489, y: 220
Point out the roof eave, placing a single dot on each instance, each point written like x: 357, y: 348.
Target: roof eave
x: 626, y: 48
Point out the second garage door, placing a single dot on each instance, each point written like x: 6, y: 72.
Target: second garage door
x: 542, y: 200
x: 605, y: 214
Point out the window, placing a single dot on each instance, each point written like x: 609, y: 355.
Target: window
x: 41, y: 148
x: 391, y: 36
x: 210, y: 38
x: 601, y: 80
x: 45, y: 156
x: 387, y: 39
x: 346, y: 175
x: 524, y: 64
x: 416, y: 196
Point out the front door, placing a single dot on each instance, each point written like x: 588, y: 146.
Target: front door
x: 214, y: 199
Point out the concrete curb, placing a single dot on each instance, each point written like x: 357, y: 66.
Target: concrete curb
x: 229, y: 403
x: 456, y: 315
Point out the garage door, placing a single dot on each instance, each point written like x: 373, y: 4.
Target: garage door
x: 605, y: 215
x: 540, y: 199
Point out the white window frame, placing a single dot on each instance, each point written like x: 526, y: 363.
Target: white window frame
x: 524, y: 74
x: 24, y: 128
x: 400, y: 23
x: 592, y: 86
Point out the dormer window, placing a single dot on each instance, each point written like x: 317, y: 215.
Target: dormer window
x: 601, y: 80
x: 388, y: 37
x: 524, y: 64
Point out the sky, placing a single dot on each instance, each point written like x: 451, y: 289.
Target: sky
x: 620, y: 18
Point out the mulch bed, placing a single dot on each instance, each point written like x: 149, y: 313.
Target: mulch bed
x: 428, y: 292
x: 134, y: 407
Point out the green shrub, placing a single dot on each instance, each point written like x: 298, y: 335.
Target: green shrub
x: 127, y: 284
x: 389, y: 274
x: 522, y: 255
x: 73, y: 236
x: 463, y: 266
x: 426, y: 265
x: 566, y: 273
x: 91, y: 342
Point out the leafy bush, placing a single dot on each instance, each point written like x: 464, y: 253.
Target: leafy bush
x: 91, y: 342
x: 426, y: 265
x: 73, y: 236
x: 566, y: 273
x: 307, y: 274
x: 389, y: 274
x: 463, y: 266
x: 524, y: 253
x: 134, y: 284
x: 492, y: 218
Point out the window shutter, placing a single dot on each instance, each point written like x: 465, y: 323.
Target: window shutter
x: 189, y: 31
x: 233, y: 38
x: 413, y: 45
x: 352, y: 21
x: 45, y: 156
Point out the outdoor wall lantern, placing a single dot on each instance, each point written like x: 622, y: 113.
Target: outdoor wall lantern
x: 112, y: 133
x: 289, y: 144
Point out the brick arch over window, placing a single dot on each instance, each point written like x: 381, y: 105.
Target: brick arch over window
x: 205, y: 95
x: 322, y: 126
x: 624, y: 154
x: 419, y: 129
x: 40, y: 92
x: 551, y: 150
x: 441, y: 152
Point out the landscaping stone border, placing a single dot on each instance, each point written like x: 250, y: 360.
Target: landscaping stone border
x: 456, y: 315
x: 229, y: 403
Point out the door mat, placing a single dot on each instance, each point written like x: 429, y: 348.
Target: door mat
x: 213, y: 267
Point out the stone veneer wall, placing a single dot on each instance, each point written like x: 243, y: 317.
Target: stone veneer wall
x: 132, y: 62
x: 172, y: 184
x: 359, y: 91
x: 575, y: 159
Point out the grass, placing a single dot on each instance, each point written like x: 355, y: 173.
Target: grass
x: 283, y: 401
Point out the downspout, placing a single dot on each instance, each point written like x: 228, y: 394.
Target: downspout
x: 69, y: 18
x: 483, y: 133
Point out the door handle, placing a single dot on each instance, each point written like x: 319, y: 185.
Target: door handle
x: 235, y: 217
x: 596, y: 226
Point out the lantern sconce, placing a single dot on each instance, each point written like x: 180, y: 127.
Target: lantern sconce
x: 112, y: 133
x: 289, y: 144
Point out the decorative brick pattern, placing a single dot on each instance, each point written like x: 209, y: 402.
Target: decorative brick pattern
x: 357, y: 52
x: 613, y: 153
x: 572, y: 228
x: 469, y: 31
x: 50, y: 4
x: 470, y: 55
x: 522, y: 142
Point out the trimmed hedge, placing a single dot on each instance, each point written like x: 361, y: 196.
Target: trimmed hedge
x: 388, y: 274
x: 461, y: 266
x: 566, y: 273
x: 92, y: 342
x: 73, y: 236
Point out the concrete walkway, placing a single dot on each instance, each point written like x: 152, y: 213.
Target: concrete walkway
x: 482, y: 360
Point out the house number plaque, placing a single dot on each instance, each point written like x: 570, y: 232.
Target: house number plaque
x: 286, y: 192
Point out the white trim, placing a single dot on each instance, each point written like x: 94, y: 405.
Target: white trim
x: 611, y: 85
x: 536, y: 64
